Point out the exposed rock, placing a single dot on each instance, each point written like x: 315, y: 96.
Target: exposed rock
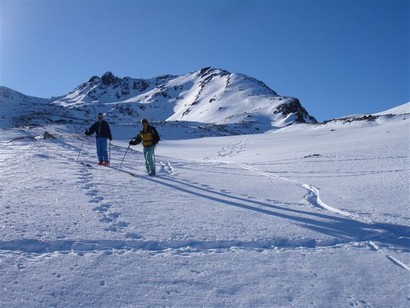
x: 292, y: 105
x: 108, y: 78
x: 94, y: 79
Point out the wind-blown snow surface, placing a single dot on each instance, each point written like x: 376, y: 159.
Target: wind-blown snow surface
x: 310, y: 215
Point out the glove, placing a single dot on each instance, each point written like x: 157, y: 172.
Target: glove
x: 86, y: 132
x: 133, y: 142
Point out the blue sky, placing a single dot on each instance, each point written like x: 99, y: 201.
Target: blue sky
x: 339, y: 57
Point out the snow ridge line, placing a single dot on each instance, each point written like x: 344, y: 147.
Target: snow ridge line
x: 34, y: 246
x: 313, y: 196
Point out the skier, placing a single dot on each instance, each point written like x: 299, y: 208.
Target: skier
x: 149, y: 138
x: 102, y: 132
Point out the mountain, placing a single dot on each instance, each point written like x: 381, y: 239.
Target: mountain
x: 210, y: 97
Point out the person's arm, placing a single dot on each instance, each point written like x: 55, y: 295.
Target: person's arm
x: 109, y: 132
x: 91, y: 130
x: 136, y: 140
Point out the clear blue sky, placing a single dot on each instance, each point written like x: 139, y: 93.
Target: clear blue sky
x: 339, y: 57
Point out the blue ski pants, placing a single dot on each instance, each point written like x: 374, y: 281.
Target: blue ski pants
x: 102, y: 152
x: 149, y: 159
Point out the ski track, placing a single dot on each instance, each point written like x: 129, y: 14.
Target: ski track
x: 109, y: 214
x: 313, y: 197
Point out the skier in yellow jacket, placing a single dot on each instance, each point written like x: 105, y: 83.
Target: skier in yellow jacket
x: 149, y: 138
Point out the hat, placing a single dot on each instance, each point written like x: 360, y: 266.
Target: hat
x: 144, y: 121
x: 100, y: 115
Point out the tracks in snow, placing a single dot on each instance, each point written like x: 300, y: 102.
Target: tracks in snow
x: 363, y: 233
x: 189, y: 246
x: 313, y: 197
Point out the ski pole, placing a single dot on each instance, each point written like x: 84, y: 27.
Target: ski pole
x: 124, y: 157
x: 81, y: 148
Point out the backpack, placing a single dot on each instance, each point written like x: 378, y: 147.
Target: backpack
x: 155, y: 135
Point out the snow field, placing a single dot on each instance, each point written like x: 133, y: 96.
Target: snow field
x: 308, y: 216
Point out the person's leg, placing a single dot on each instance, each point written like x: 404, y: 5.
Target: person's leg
x: 150, y: 160
x: 104, y: 149
x: 99, y: 149
x: 145, y: 151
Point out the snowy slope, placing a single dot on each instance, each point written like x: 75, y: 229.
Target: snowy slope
x: 18, y: 109
x: 305, y: 216
x: 402, y: 109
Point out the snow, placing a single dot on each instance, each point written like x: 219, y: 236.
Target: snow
x: 305, y: 216
x: 402, y: 109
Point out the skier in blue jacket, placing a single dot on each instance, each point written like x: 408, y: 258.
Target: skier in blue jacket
x: 102, y: 132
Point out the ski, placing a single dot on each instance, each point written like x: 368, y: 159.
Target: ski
x: 112, y: 167
x: 132, y: 174
x: 86, y: 164
x: 127, y: 172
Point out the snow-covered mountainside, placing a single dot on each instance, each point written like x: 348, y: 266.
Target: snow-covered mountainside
x: 209, y: 97
x: 17, y: 109
x: 303, y: 216
x: 398, y: 110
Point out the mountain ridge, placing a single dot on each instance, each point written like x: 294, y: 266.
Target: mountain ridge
x: 210, y: 100
x: 209, y: 96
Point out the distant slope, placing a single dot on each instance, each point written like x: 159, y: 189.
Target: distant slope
x: 402, y: 109
x: 17, y: 109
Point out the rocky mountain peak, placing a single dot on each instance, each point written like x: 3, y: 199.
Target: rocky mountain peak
x: 94, y: 79
x: 108, y: 78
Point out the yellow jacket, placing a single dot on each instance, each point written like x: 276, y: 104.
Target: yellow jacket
x: 149, y: 136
